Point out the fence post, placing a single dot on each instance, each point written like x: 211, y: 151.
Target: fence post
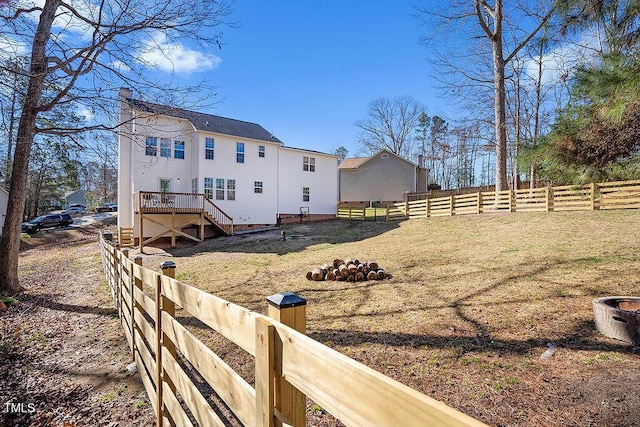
x: 117, y: 282
x: 428, y: 208
x: 125, y: 253
x: 136, y: 283
x: 162, y: 304
x: 168, y: 269
x: 512, y: 195
x: 549, y: 201
x: 479, y: 207
x: 265, y: 373
x: 406, y: 209
x: 291, y: 310
x: 593, y: 196
x: 452, y: 203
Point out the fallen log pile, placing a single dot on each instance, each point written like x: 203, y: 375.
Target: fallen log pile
x: 350, y: 270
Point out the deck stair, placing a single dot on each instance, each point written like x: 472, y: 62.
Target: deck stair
x: 165, y: 209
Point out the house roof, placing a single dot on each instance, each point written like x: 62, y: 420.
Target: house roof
x: 356, y: 162
x: 208, y: 122
x: 305, y: 150
x: 72, y: 193
x: 353, y: 162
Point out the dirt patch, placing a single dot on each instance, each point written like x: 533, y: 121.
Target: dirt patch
x: 63, y: 351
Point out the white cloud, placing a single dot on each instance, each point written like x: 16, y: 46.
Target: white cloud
x: 173, y: 57
x: 120, y: 66
x: 10, y: 48
x: 560, y: 62
x: 85, y: 112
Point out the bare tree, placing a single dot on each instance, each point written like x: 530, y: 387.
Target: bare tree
x: 81, y: 52
x: 504, y: 38
x: 390, y: 125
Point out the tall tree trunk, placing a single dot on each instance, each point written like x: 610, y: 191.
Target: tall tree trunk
x: 10, y: 243
x: 500, y: 115
x: 533, y: 176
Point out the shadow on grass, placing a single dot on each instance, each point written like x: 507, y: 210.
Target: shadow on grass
x: 49, y: 301
x: 582, y: 337
x: 298, y: 238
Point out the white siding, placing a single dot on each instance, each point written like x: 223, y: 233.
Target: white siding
x: 248, y: 207
x: 148, y: 170
x: 322, y: 183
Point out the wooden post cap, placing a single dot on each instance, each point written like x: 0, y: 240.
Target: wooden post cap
x: 138, y: 257
x: 167, y: 265
x: 286, y: 300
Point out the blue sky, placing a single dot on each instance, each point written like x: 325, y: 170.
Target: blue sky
x: 306, y: 70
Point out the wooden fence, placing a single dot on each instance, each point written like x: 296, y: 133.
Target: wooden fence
x: 289, y: 366
x: 609, y: 195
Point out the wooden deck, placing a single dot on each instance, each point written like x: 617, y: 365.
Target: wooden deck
x: 154, y: 207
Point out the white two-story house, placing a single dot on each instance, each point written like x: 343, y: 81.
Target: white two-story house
x: 175, y: 164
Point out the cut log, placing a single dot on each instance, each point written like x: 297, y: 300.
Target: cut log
x: 309, y: 275
x: 351, y: 278
x: 372, y: 275
x: 330, y: 276
x: 337, y: 263
x: 344, y: 270
x: 373, y: 265
x: 353, y: 269
x: 359, y: 276
x: 317, y: 275
x: 381, y: 274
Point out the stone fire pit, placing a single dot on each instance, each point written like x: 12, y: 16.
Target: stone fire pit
x: 618, y: 317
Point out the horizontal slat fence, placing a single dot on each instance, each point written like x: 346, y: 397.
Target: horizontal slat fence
x: 289, y: 366
x: 607, y: 195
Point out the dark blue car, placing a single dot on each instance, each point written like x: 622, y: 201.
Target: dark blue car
x: 46, y: 221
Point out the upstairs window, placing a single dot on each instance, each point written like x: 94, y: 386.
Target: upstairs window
x: 209, y: 146
x: 178, y: 149
x: 305, y: 194
x: 309, y: 164
x: 257, y: 187
x: 239, y: 152
x: 165, y: 147
x: 151, y: 146
x: 261, y: 151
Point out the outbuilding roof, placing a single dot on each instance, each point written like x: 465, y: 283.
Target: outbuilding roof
x: 356, y: 162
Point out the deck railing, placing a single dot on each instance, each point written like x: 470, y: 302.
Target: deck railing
x: 148, y: 202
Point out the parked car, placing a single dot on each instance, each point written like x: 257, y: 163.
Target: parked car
x: 46, y: 221
x: 107, y: 207
x: 75, y: 209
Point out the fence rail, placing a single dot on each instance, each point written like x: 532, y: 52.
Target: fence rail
x: 607, y: 195
x: 289, y: 366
